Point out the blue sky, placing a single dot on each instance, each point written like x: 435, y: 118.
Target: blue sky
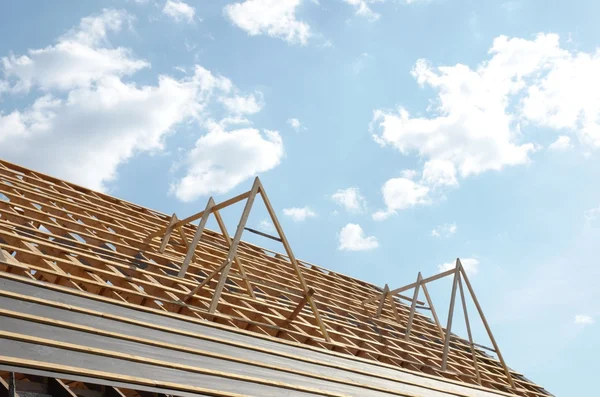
x: 391, y: 136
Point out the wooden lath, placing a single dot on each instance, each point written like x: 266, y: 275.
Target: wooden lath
x: 458, y: 274
x: 69, y: 236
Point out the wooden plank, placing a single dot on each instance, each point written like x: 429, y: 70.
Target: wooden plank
x: 488, y: 329
x: 233, y: 248
x: 236, y: 258
x: 167, y: 235
x: 310, y: 358
x: 411, y: 286
x: 192, y: 248
x: 413, y: 306
x: 450, y: 315
x: 293, y: 261
x: 384, y: 294
x: 473, y: 352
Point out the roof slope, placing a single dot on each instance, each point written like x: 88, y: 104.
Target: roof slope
x: 91, y: 243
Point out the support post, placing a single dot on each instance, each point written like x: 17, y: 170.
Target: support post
x: 12, y: 385
x: 413, y: 307
x: 473, y: 352
x: 57, y: 388
x: 433, y: 312
x: 167, y: 236
x: 394, y: 308
x: 384, y: 294
x: 487, y: 328
x: 450, y: 315
x: 293, y: 261
x: 196, y: 239
x: 236, y: 258
x: 297, y: 310
x: 410, y: 286
x: 233, y: 248
x: 203, y: 283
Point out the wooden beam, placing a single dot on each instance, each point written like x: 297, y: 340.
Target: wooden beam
x: 196, y: 239
x: 56, y: 388
x: 450, y: 315
x: 285, y: 323
x: 293, y: 260
x: 488, y: 329
x: 167, y: 235
x: 204, y: 282
x: 236, y: 258
x: 473, y: 352
x: 394, y: 309
x: 413, y: 307
x: 410, y: 286
x: 233, y: 247
x: 199, y: 215
x: 384, y: 294
x: 433, y: 312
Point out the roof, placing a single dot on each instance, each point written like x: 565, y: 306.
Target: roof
x: 85, y: 263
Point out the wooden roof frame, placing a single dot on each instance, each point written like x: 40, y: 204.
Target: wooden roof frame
x: 63, y: 234
x: 459, y: 275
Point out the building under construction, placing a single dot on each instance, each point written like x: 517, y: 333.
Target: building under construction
x: 101, y: 297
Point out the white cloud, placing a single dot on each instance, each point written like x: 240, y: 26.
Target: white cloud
x: 584, y: 319
x: 350, y: 199
x: 240, y: 104
x: 399, y: 194
x: 562, y: 143
x: 361, y: 8
x: 295, y: 124
x: 276, y: 18
x: 573, y: 76
x: 266, y: 226
x: 223, y: 159
x: 179, y: 11
x: 471, y: 266
x: 76, y: 60
x: 352, y: 238
x: 439, y: 173
x: 88, y: 120
x: 480, y: 115
x: 299, y: 214
x: 445, y: 230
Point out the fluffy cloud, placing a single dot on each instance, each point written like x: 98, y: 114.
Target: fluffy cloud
x: 445, y: 230
x: 573, y: 76
x: 240, y: 104
x: 562, y: 143
x: 584, y: 319
x: 401, y: 193
x: 295, y: 124
x: 87, y: 120
x: 299, y: 214
x: 471, y: 266
x: 78, y: 58
x: 223, y: 159
x: 179, y: 11
x: 352, y: 238
x: 480, y: 114
x: 276, y: 18
x: 350, y: 199
x: 362, y: 8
